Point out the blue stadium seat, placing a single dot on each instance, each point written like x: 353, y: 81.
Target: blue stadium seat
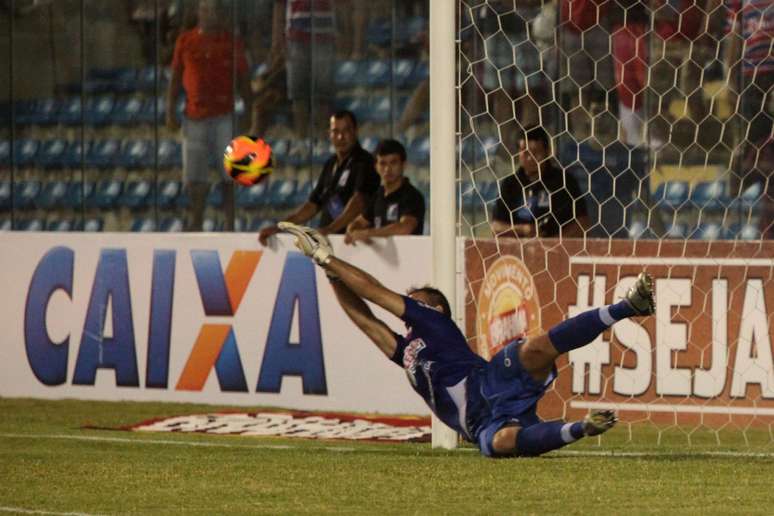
x: 280, y: 150
x: 321, y: 152
x: 349, y: 73
x: 708, y: 231
x: 172, y: 225
x: 72, y: 157
x: 677, y: 230
x: 5, y: 225
x: 744, y: 232
x: 419, y: 151
x: 281, y: 192
x: 35, y: 224
x: 750, y: 197
x: 402, y: 70
x: 420, y: 72
x: 380, y: 110
x: 300, y: 153
x: 253, y: 196
x: 25, y: 194
x: 146, y: 79
x: 143, y: 225
x: 99, y: 110
x: 379, y: 31
x: 126, y: 111
x: 104, y: 154
x: 302, y: 192
x: 92, y: 225
x: 370, y: 143
x: 168, y: 194
x: 52, y: 154
x: 215, y: 195
x: 424, y: 188
x: 61, y: 225
x: 5, y: 154
x: 212, y: 224
x: 70, y: 112
x: 671, y: 194
x: 38, y: 112
x: 170, y: 154
x: 409, y: 30
x: 76, y: 191
x: 25, y: 152
x: 125, y: 81
x: 151, y: 112
x: 637, y: 229
x: 108, y: 193
x: 137, y: 194
x: 53, y: 195
x: 378, y: 73
x: 240, y: 224
x: 136, y: 154
x: 710, y: 195
x: 357, y: 105
x: 5, y: 195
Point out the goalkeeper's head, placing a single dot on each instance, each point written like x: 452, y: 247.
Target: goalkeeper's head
x: 431, y: 297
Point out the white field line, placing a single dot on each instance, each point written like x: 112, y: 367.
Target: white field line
x: 578, y: 453
x: 19, y: 510
x: 685, y: 409
x: 671, y: 261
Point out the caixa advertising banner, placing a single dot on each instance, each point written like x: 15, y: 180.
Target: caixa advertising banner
x: 705, y: 356
x: 195, y: 318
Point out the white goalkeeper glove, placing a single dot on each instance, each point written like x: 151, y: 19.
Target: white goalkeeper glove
x: 311, y: 242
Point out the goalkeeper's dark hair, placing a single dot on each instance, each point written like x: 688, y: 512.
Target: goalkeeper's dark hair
x: 435, y: 297
x: 390, y: 146
x: 345, y: 113
x: 538, y: 134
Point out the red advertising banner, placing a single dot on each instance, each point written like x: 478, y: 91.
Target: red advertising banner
x: 705, y: 357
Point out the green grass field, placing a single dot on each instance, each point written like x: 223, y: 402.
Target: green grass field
x: 50, y: 465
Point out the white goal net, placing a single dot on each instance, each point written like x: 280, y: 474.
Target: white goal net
x: 598, y: 138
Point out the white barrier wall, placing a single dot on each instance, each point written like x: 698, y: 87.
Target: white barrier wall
x: 195, y: 318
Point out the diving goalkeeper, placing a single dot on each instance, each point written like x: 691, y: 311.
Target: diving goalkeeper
x: 491, y: 404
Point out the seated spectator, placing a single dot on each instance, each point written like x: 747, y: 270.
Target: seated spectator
x: 539, y: 199
x: 347, y: 181
x: 397, y: 208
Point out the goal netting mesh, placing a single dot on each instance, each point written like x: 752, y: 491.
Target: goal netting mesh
x: 659, y: 152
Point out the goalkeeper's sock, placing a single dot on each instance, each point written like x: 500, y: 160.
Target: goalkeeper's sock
x: 544, y: 437
x: 582, y: 329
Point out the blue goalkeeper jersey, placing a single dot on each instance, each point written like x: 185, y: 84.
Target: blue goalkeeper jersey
x: 437, y: 360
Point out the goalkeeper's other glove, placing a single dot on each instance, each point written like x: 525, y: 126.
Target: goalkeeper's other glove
x: 311, y: 242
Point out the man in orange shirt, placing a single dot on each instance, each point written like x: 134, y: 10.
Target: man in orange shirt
x: 205, y: 62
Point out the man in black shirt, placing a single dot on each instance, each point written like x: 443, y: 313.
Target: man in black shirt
x: 397, y: 208
x: 539, y: 199
x: 347, y: 181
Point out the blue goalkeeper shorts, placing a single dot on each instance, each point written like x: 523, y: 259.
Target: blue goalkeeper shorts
x: 508, y: 396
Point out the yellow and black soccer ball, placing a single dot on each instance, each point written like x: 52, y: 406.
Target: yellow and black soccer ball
x: 248, y: 160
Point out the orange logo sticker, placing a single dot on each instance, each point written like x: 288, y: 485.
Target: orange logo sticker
x: 508, y: 306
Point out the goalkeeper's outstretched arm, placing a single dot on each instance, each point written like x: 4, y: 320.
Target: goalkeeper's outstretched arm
x: 366, y: 286
x: 363, y: 317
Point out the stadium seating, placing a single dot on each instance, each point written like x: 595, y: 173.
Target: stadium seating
x: 402, y: 70
x: 710, y: 195
x: 61, y: 225
x: 170, y: 154
x: 744, y: 232
x: 252, y: 197
x: 51, y: 155
x: 25, y: 194
x: 75, y: 154
x: 419, y: 151
x: 5, y: 224
x: 126, y: 111
x: 215, y: 195
x: 169, y: 191
x: 104, y: 154
x: 108, y: 193
x: 137, y: 194
x: 25, y: 152
x: 34, y: 224
x: 677, y: 230
x: 143, y: 225
x: 302, y: 192
x: 348, y: 74
x: 378, y: 73
x: 281, y: 193
x: 136, y: 154
x: 172, y: 225
x: 211, y: 224
x: 53, y: 195
x: 80, y: 194
x: 671, y: 195
x: 709, y: 231
x: 91, y: 225
x: 42, y: 112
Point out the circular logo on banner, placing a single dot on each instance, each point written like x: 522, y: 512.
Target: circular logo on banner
x: 508, y: 306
